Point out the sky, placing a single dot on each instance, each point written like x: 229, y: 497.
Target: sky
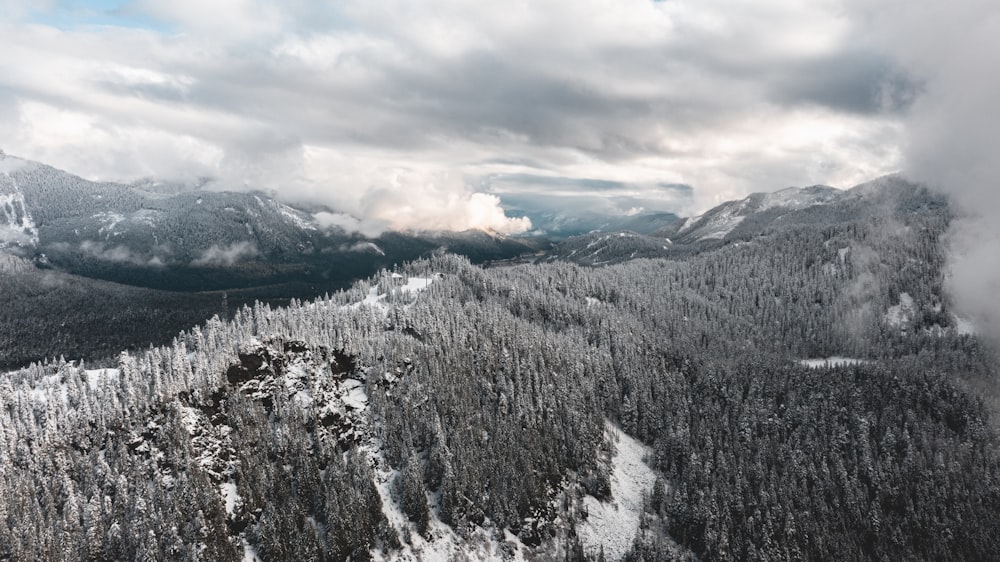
x: 435, y: 114
x: 451, y: 114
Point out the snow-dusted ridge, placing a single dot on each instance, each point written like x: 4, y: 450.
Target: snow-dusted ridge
x: 718, y: 222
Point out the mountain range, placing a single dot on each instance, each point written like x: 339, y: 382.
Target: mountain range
x: 787, y: 381
x: 758, y: 215
x: 142, y: 235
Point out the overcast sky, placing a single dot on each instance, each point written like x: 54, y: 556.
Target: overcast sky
x: 427, y: 114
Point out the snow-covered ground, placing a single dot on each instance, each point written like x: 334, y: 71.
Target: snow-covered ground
x: 964, y: 326
x: 612, y: 525
x: 375, y: 300
x: 18, y: 225
x: 441, y: 543
x: 834, y: 361
x: 250, y: 553
x: 898, y: 316
x: 97, y: 377
x: 229, y: 495
x: 719, y: 225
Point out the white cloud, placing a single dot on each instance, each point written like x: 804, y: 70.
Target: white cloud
x: 394, y: 111
x: 227, y: 255
x: 953, y: 128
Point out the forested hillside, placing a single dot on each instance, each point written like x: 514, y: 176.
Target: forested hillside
x: 451, y: 411
x: 108, y: 266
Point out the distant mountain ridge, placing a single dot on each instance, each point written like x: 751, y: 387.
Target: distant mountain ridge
x: 190, y: 239
x: 566, y: 225
x: 756, y: 215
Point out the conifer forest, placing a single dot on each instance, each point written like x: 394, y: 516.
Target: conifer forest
x: 799, y: 388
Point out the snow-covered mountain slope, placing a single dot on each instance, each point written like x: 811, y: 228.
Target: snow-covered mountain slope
x: 611, y: 525
x: 195, y: 239
x: 891, y: 199
x: 720, y: 221
x: 579, y: 222
x: 17, y: 226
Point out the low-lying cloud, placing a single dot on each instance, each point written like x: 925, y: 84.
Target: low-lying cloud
x: 115, y: 253
x: 218, y: 255
x: 953, y: 129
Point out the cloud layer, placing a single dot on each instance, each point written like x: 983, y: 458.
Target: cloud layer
x: 398, y: 113
x: 953, y: 128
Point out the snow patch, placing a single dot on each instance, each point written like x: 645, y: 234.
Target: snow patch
x: 833, y: 361
x: 231, y: 498
x: 687, y: 223
x: 716, y: 226
x: 612, y: 525
x: 964, y: 326
x: 16, y: 223
x: 95, y: 377
x: 413, y: 286
x: 355, y: 397
x: 297, y: 218
x: 898, y: 316
x: 441, y: 542
x: 250, y: 553
x: 109, y: 222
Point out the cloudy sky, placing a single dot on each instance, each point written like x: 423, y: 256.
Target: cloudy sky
x: 437, y: 113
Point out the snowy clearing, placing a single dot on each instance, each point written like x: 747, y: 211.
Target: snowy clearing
x: 375, y: 300
x: 613, y: 525
x: 898, y: 316
x: 229, y: 495
x: 441, y: 543
x: 96, y: 377
x: 833, y: 361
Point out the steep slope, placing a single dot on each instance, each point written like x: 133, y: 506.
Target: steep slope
x: 17, y: 226
x: 170, y: 238
x: 721, y: 221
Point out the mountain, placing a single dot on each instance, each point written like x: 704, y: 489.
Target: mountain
x: 762, y: 212
x: 800, y: 393
x: 95, y: 260
x: 164, y: 237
